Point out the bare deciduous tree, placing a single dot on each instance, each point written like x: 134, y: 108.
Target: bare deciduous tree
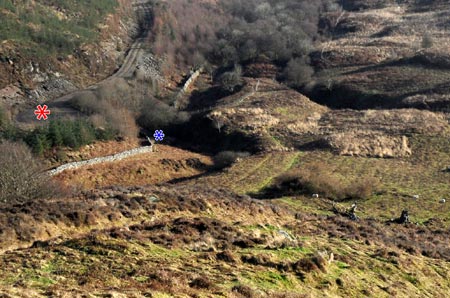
x: 218, y: 124
x: 217, y: 121
x: 21, y: 176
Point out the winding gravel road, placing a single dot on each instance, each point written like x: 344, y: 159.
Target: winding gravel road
x: 61, y: 108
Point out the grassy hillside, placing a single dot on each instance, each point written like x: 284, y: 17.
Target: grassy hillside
x: 45, y: 27
x: 52, y: 46
x: 265, y: 209
x: 199, y: 241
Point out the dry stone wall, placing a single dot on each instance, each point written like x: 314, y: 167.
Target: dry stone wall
x: 100, y: 160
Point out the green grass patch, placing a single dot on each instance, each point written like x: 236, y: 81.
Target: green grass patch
x: 154, y: 250
x: 281, y: 254
x: 400, y: 179
x: 271, y: 280
x: 283, y: 110
x: 304, y: 204
x: 342, y: 265
x: 141, y: 278
x: 411, y: 279
x: 42, y: 282
x: 35, y: 278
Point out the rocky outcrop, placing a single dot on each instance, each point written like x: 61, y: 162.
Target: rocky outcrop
x: 149, y: 68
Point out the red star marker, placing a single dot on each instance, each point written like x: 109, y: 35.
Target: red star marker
x: 42, y: 112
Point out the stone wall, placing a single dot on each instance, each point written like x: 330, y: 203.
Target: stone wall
x: 99, y: 160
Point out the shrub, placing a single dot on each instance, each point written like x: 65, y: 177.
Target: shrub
x: 201, y: 283
x: 305, y: 265
x: 86, y: 102
x: 225, y: 53
x: 308, y: 264
x: 230, y: 80
x: 226, y: 256
x: 122, y: 122
x: 226, y: 158
x: 245, y: 291
x: 116, y: 91
x: 298, y: 72
x: 362, y: 188
x: 21, y: 176
x: 156, y: 114
x: 308, y: 181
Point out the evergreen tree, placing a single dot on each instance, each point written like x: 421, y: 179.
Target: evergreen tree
x: 68, y: 135
x: 55, y: 135
x: 84, y: 132
x: 37, y: 145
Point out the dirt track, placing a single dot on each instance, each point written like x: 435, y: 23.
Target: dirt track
x: 60, y: 107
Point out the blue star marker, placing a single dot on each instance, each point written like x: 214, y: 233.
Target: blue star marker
x: 159, y: 135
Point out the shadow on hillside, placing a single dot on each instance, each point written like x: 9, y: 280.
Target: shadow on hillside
x: 206, y: 98
x: 200, y: 135
x: 210, y: 172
